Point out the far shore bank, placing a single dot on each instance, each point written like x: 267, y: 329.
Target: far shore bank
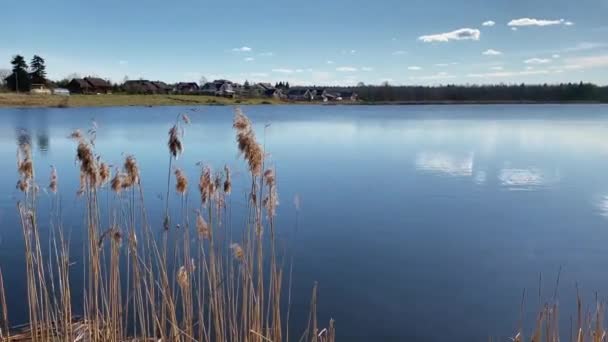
x: 13, y: 100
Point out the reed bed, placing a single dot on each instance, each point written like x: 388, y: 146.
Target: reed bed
x: 182, y: 276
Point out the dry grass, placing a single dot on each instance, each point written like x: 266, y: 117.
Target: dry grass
x: 32, y: 100
x: 151, y: 281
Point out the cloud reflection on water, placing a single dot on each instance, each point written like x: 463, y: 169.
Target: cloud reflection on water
x: 445, y: 163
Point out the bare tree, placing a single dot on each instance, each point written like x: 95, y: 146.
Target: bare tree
x: 202, y: 81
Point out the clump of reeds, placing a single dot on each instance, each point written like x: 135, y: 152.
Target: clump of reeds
x: 213, y: 289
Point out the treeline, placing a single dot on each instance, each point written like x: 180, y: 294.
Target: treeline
x: 567, y: 92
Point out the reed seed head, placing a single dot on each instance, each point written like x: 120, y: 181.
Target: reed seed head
x: 186, y: 119
x: 247, y: 144
x: 117, y: 182
x: 182, y: 277
x: 202, y: 227
x: 237, y: 251
x: 181, y: 182
x: 206, y: 186
x: 104, y: 173
x: 175, y: 144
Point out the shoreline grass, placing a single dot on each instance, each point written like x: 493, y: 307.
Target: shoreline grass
x: 188, y: 275
x: 12, y: 100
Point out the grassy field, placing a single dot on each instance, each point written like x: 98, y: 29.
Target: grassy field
x: 30, y: 100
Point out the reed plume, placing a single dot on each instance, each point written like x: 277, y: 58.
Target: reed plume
x: 104, y: 173
x: 117, y: 182
x: 271, y: 201
x: 247, y: 144
x: 25, y: 166
x: 175, y: 143
x: 237, y: 251
x: 181, y: 182
x: 202, y: 227
x: 132, y: 172
x: 206, y: 185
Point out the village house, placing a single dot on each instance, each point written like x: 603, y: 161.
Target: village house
x: 146, y: 87
x: 79, y: 86
x: 219, y: 88
x: 161, y: 87
x: 139, y: 87
x: 90, y: 85
x: 301, y: 94
x: 268, y: 90
x: 99, y: 86
x: 347, y: 96
x: 186, y: 88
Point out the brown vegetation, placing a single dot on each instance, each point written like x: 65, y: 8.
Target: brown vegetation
x: 153, y: 282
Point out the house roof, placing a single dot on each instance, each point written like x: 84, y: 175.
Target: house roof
x: 266, y: 86
x: 98, y: 82
x: 81, y: 82
x: 161, y: 85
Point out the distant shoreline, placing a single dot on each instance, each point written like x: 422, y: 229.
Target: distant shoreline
x: 12, y: 100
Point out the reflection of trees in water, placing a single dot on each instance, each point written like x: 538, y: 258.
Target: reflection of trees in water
x: 42, y: 139
x: 23, y: 137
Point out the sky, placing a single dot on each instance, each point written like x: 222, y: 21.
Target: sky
x: 409, y: 42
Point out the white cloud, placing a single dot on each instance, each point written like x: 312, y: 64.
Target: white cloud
x: 513, y: 28
x: 123, y: 62
x: 496, y: 68
x: 346, y: 69
x: 353, y: 52
x: 491, y: 52
x: 242, y: 49
x: 568, y: 23
x: 537, y: 22
x: 399, y: 53
x: 555, y: 56
x: 488, y: 23
x: 367, y: 69
x: 330, y: 62
x: 414, y: 68
x: 442, y: 65
x: 283, y: 71
x: 529, y: 68
x: 460, y: 34
x: 249, y: 59
x: 299, y: 70
x: 537, y: 61
x: 266, y: 54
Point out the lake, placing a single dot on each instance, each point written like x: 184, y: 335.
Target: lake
x: 418, y: 222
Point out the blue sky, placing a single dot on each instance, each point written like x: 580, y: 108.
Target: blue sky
x: 315, y: 42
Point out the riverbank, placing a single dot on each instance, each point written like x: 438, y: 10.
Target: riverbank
x: 13, y: 100
x: 31, y: 100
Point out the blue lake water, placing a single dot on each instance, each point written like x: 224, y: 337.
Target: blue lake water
x: 418, y: 222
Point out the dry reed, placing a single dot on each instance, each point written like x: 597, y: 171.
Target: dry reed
x: 207, y: 289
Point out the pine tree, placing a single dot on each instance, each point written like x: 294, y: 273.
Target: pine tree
x: 38, y: 67
x: 287, y: 85
x: 19, y: 80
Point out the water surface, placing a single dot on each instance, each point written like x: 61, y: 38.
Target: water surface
x: 422, y: 222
